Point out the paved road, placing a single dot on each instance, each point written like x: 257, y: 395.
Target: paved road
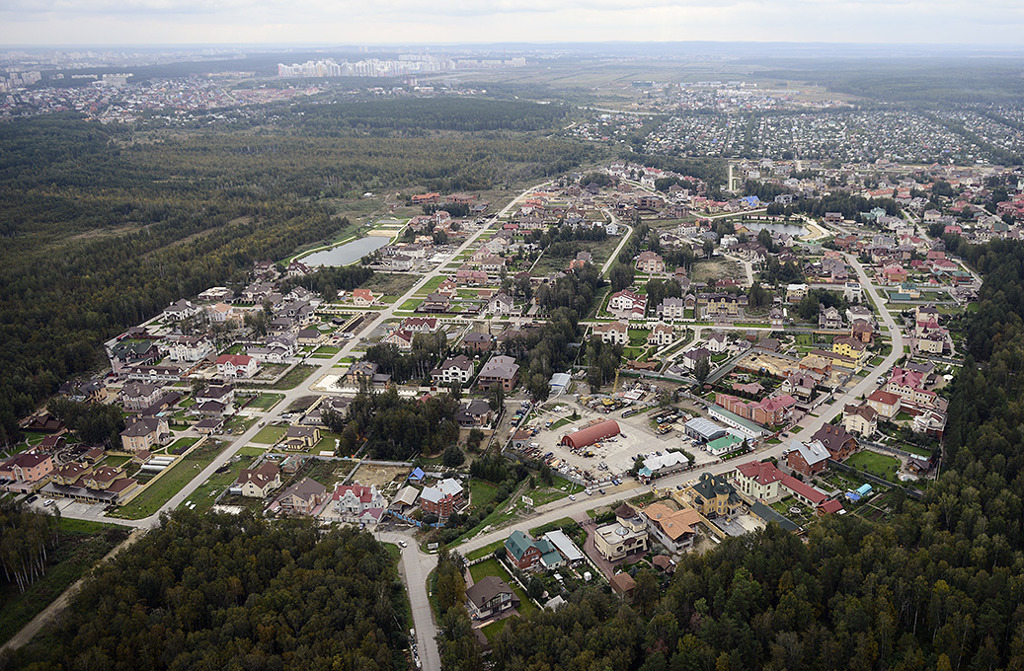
x: 415, y: 566
x: 625, y: 238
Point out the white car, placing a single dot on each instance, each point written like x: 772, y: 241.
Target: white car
x: 403, y: 544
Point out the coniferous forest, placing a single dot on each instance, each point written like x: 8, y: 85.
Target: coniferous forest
x: 219, y: 592
x: 940, y: 586
x: 101, y: 227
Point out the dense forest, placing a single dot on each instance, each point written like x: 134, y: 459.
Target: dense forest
x: 223, y: 592
x: 103, y: 227
x: 419, y: 115
x: 392, y: 427
x: 939, y: 585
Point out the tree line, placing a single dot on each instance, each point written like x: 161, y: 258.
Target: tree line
x: 224, y: 592
x: 124, y: 223
x: 935, y: 584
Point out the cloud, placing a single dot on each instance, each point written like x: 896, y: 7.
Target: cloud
x: 468, y: 21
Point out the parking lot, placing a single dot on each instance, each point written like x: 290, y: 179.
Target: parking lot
x: 617, y: 454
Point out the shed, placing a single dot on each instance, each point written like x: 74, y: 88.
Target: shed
x: 704, y: 430
x: 592, y: 434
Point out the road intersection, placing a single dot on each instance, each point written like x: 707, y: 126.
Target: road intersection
x: 416, y: 565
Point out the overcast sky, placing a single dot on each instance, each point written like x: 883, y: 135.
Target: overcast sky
x: 329, y: 22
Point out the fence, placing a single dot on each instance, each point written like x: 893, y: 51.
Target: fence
x: 910, y: 491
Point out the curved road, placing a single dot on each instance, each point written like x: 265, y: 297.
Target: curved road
x: 414, y: 564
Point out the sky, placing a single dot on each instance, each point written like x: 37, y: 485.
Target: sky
x: 381, y: 22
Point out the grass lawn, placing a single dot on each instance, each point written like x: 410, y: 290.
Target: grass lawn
x: 181, y: 444
x: 240, y: 424
x: 638, y: 337
x: 431, y: 286
x: 560, y: 423
x: 327, y: 442
x: 915, y: 449
x: 485, y: 550
x: 481, y: 493
x: 874, y: 463
x: 265, y: 401
x: 207, y: 493
x: 392, y: 284
x: 492, y: 567
x: 269, y: 435
x: 294, y: 377
x: 544, y: 494
x: 327, y: 349
x: 498, y: 517
x: 250, y: 451
x: 536, y: 532
x: 410, y: 304
x: 160, y: 491
x: 494, y: 628
x: 80, y: 547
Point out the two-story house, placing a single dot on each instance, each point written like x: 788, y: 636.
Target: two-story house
x: 259, y: 482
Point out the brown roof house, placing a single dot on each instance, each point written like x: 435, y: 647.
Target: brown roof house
x: 258, y: 482
x: 489, y: 596
x: 302, y: 498
x: 145, y: 433
x: 839, y: 442
x: 623, y: 585
x: 499, y: 369
x: 301, y: 437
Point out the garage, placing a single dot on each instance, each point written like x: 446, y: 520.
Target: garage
x: 591, y: 434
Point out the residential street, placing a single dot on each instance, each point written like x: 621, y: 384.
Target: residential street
x: 416, y: 565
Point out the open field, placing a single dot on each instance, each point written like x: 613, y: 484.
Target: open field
x: 170, y: 482
x: 379, y: 476
x: 207, y: 493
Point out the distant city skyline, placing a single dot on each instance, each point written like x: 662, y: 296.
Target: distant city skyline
x: 392, y: 22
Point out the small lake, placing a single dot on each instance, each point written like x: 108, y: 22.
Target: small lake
x: 350, y: 252
x: 793, y: 230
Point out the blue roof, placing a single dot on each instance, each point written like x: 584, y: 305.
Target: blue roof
x: 417, y: 474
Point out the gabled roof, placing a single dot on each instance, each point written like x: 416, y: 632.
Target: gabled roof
x: 518, y: 544
x: 762, y: 472
x: 486, y: 589
x: 812, y: 453
x: 881, y: 396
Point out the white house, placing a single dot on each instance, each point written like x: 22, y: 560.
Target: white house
x: 352, y: 501
x: 236, y: 365
x: 615, y: 333
x: 454, y: 370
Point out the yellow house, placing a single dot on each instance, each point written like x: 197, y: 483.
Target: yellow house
x: 850, y: 347
x: 711, y: 496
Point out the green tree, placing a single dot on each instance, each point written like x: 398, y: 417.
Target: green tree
x: 621, y: 276
x: 475, y: 437
x: 453, y: 457
x: 701, y: 370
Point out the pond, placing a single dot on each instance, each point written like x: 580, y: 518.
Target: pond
x: 343, y: 255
